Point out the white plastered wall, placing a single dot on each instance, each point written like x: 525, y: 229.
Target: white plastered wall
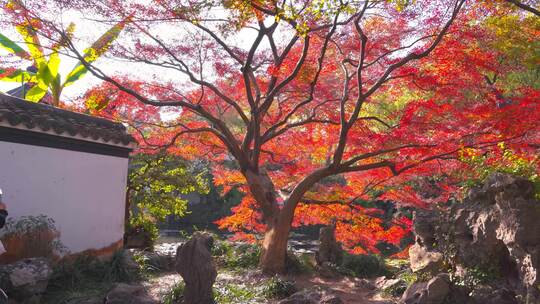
x: 83, y: 192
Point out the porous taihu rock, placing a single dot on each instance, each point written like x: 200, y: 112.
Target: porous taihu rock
x: 195, y: 264
x: 495, y: 231
x: 330, y: 250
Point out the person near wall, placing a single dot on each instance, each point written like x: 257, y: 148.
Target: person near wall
x: 3, y: 216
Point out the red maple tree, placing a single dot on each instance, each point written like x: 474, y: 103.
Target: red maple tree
x: 328, y: 104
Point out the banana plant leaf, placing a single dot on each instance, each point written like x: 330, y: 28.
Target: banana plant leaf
x: 17, y: 76
x: 32, y: 43
x: 35, y: 94
x: 13, y: 47
x: 98, y: 48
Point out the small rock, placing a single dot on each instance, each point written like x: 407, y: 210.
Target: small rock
x: 328, y: 270
x: 384, y: 283
x: 414, y: 293
x: 438, y: 289
x: 125, y: 293
x: 128, y: 262
x: 330, y: 299
x: 302, y: 297
x: 138, y: 239
x: 365, y: 284
x: 312, y: 297
x: 25, y: 279
x: 393, y: 287
x: 423, y: 260
x: 433, y: 292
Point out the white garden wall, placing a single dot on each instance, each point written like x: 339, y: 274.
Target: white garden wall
x: 83, y: 192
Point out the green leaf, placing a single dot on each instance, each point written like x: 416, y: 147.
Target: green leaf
x: 18, y: 76
x: 35, y: 94
x: 98, y: 48
x: 32, y: 43
x: 48, y: 71
x: 12, y: 47
x: 53, y: 64
x: 44, y: 77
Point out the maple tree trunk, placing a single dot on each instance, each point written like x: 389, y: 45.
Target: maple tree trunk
x: 274, y: 248
x: 278, y: 222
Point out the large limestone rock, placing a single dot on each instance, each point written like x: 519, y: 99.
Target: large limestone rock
x: 25, y: 279
x: 330, y: 250
x: 195, y: 264
x: 496, y: 229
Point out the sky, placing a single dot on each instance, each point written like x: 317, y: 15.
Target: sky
x: 87, y: 31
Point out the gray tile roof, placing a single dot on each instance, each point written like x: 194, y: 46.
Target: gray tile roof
x: 40, y: 117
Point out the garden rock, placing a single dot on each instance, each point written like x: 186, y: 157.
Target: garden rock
x: 365, y: 284
x: 195, y: 264
x: 422, y: 260
x: 438, y: 289
x: 126, y: 293
x: 394, y: 287
x: 128, y: 262
x: 25, y: 279
x: 414, y: 294
x: 308, y: 296
x: 138, y: 238
x: 330, y: 299
x: 433, y: 292
x: 494, y: 232
x: 328, y: 270
x: 487, y: 294
x: 384, y: 283
x: 330, y: 250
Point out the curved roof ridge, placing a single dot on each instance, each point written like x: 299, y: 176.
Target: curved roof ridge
x: 41, y: 117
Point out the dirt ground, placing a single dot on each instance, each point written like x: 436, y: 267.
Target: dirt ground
x: 349, y: 289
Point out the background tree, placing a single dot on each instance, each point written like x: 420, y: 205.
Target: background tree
x: 328, y: 103
x: 157, y: 186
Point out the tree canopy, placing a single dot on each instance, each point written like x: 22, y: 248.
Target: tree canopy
x: 312, y: 107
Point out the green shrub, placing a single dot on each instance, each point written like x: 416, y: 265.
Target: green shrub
x: 247, y: 256
x: 409, y: 277
x: 477, y: 275
x: 297, y: 264
x: 233, y: 294
x: 32, y: 236
x: 69, y: 273
x: 222, y: 248
x: 236, y: 256
x: 363, y: 266
x: 174, y: 295
x: 278, y: 288
x: 143, y: 227
x: 395, y: 290
x: 86, y: 277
